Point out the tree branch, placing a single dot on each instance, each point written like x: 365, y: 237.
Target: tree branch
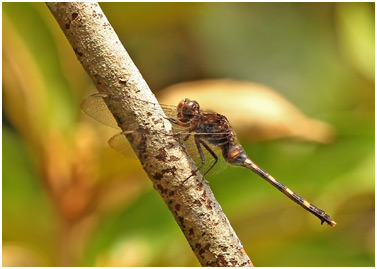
x: 193, y: 204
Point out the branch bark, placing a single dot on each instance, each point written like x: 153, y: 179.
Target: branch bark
x: 193, y: 206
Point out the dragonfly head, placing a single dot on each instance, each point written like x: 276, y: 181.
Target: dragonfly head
x: 187, y: 109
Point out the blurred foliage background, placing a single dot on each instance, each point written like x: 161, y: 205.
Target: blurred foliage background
x: 68, y: 199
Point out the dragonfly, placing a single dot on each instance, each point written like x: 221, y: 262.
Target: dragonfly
x: 211, y: 133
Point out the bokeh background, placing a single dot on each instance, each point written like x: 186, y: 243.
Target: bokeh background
x: 68, y: 199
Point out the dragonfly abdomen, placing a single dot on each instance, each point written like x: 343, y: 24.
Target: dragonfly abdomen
x: 289, y: 193
x: 234, y: 154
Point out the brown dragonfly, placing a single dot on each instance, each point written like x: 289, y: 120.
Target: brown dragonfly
x: 211, y: 134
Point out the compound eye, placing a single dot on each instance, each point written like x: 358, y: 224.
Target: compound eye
x: 194, y: 105
x: 188, y: 109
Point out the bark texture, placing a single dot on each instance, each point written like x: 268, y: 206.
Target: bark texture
x: 193, y: 204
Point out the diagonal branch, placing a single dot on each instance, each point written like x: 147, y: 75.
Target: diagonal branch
x: 193, y: 206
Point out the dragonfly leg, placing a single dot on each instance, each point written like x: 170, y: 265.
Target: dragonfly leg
x: 198, y: 143
x: 172, y: 120
x: 213, y: 155
x: 186, y: 137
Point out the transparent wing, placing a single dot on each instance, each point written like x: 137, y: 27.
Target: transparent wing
x: 95, y: 107
x: 120, y: 143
